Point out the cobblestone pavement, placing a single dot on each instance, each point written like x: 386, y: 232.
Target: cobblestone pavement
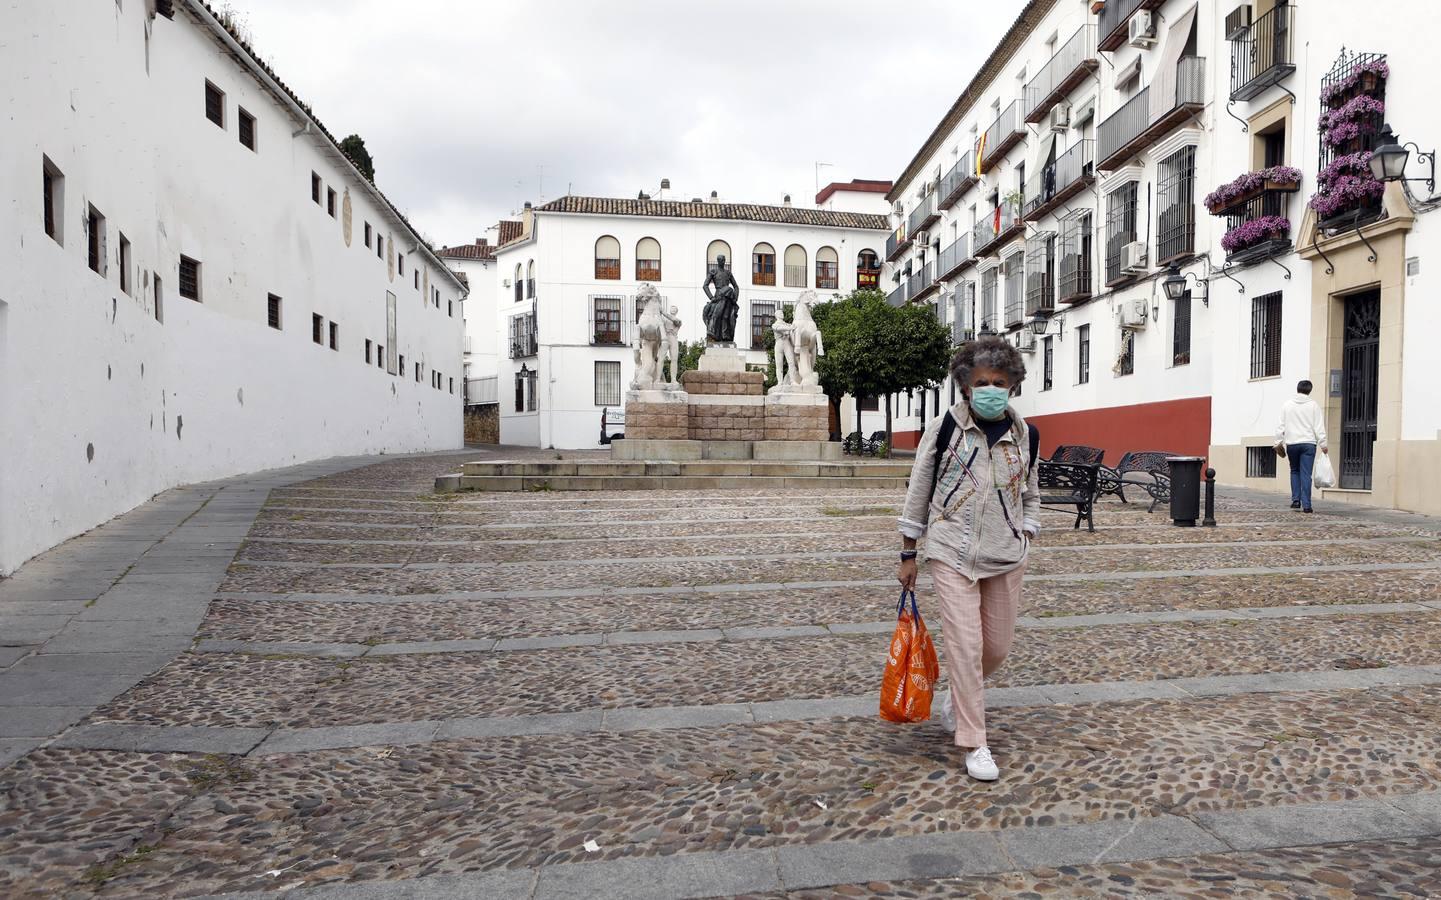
x: 668, y: 694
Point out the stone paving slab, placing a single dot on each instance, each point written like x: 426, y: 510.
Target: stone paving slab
x: 1322, y: 823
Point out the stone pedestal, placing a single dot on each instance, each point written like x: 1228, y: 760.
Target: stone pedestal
x: 718, y: 358
x: 797, y: 415
x: 726, y: 405
x: 658, y: 415
x: 724, y: 413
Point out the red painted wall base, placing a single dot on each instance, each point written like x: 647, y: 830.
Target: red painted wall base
x: 1182, y: 427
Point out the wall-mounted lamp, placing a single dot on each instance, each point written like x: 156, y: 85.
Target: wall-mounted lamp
x: 1040, y: 324
x: 1389, y: 159
x: 1174, y: 284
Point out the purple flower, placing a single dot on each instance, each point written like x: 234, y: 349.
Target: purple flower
x: 1255, y: 231
x: 1376, y: 67
x: 1251, y: 182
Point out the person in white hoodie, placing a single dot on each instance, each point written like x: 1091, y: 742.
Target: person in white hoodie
x: 1301, y: 431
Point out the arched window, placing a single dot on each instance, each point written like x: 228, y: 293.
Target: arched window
x: 530, y: 280
x: 763, y: 264
x: 647, y: 260
x: 868, y: 270
x: 795, y: 274
x: 715, y: 251
x: 519, y: 283
x: 607, y: 259
x: 828, y: 269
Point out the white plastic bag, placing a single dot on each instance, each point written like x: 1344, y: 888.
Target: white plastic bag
x: 948, y: 712
x: 1322, y: 475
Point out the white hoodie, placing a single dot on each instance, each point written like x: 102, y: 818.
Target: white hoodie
x: 1301, y: 422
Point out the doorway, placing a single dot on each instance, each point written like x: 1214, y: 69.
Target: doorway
x: 1360, y: 358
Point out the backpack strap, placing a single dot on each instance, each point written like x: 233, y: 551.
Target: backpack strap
x: 943, y: 443
x: 1035, y: 440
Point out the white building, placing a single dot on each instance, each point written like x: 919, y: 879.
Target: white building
x: 1061, y: 187
x: 1073, y: 173
x: 476, y: 266
x: 567, y: 286
x: 198, y: 282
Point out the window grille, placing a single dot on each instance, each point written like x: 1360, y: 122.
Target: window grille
x: 605, y: 317
x: 1177, y: 219
x: 1266, y: 336
x: 189, y: 278
x: 1181, y: 331
x: 1083, y: 355
x: 1260, y: 462
x: 1120, y: 229
x: 607, y: 383
x: 272, y: 316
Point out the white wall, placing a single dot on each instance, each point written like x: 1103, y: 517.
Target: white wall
x: 102, y: 405
x: 481, y: 336
x: 563, y: 248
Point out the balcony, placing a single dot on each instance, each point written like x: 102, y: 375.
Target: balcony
x: 954, y: 257
x: 1115, y: 17
x: 1261, y: 53
x: 647, y: 270
x: 955, y: 182
x: 1074, y: 284
x: 1041, y: 274
x: 523, y: 346
x: 1006, y: 132
x: 997, y: 227
x: 1154, y: 112
x: 607, y: 269
x: 898, y: 296
x: 922, y: 284
x: 924, y: 215
x: 1064, y: 73
x: 1258, y: 229
x: 1071, y: 173
x: 896, y: 243
x: 795, y: 276
x: 867, y: 279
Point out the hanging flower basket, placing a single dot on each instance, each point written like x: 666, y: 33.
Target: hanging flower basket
x: 1367, y: 76
x: 1346, y: 184
x: 1235, y: 195
x: 1256, y: 231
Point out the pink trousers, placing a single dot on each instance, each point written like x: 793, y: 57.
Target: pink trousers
x: 978, y: 625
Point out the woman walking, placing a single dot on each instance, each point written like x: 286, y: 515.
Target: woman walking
x: 977, y: 502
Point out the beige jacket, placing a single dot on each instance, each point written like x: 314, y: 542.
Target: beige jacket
x: 986, y: 506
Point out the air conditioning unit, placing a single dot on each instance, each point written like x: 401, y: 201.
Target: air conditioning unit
x: 1060, y: 117
x: 1143, y: 29
x: 922, y: 237
x: 1238, y: 22
x: 1133, y: 314
x: 1133, y: 257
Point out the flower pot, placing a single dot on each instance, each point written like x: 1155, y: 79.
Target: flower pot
x: 1285, y: 187
x: 1097, y: 6
x: 1369, y: 80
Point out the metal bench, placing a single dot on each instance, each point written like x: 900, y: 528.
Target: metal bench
x: 1143, y: 469
x: 1077, y: 453
x: 1069, y: 484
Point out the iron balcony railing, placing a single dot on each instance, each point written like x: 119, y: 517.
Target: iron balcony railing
x: 867, y: 278
x: 481, y: 390
x: 1041, y: 273
x: 1062, y: 74
x: 923, y: 278
x: 896, y: 242
x: 924, y: 214
x: 1159, y: 107
x: 1262, y: 53
x: 991, y: 228
x: 1115, y: 16
x: 795, y: 276
x: 898, y: 296
x: 1015, y: 291
x: 1060, y: 180
x: 1268, y: 204
x: 1075, y: 277
x: 607, y: 269
x: 954, y: 183
x: 1004, y: 133
x: 523, y: 346
x: 954, y: 256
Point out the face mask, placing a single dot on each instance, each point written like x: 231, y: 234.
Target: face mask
x: 990, y: 402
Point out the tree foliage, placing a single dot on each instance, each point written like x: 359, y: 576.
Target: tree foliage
x: 354, y: 147
x: 690, y: 353
x: 875, y: 349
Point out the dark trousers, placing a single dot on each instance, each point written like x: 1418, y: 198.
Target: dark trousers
x: 1302, y: 458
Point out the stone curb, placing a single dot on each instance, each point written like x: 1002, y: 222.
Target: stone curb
x: 783, y: 632
x: 947, y: 854
x: 219, y: 739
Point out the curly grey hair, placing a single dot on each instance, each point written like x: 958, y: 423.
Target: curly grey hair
x: 988, y: 352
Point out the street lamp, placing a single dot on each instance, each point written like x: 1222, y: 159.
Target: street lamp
x: 1389, y: 159
x: 1040, y: 323
x: 1174, y: 284
x: 987, y: 330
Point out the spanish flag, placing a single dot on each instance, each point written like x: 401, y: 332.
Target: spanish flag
x: 980, y: 153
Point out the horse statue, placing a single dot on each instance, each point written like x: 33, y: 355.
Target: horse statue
x: 650, y: 337
x: 807, y: 339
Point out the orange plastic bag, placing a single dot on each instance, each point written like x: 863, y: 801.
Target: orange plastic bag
x: 912, y: 669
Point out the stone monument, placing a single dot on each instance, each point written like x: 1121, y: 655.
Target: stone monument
x: 722, y: 306
x: 655, y: 409
x: 785, y: 352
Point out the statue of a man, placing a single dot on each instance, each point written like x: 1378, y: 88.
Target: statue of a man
x: 670, y: 346
x: 786, y: 374
x: 723, y: 306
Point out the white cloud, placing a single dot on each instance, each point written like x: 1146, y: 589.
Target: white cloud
x: 472, y: 108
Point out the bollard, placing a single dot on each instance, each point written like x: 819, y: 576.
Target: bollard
x: 1210, y: 520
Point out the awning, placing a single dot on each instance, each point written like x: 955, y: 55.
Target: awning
x: 1163, y: 84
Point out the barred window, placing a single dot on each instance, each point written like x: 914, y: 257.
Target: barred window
x: 1181, y: 331
x: 1074, y: 282
x: 763, y: 315
x: 54, y: 184
x: 1083, y: 356
x: 647, y: 260
x: 1015, y: 292
x: 763, y: 264
x: 989, y: 282
x: 317, y: 328
x: 828, y: 269
x: 1177, y: 219
x: 246, y: 128
x: 1120, y: 229
x: 1266, y: 336
x: 272, y: 317
x: 522, y: 336
x: 1049, y: 370
x: 189, y: 278
x: 214, y: 104
x: 607, y: 259
x: 607, y: 383
x: 1260, y: 462
x: 605, y: 320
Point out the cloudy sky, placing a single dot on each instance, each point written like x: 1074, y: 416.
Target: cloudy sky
x: 473, y: 107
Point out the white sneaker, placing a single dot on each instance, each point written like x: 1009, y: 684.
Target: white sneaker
x: 948, y: 713
x: 980, y: 765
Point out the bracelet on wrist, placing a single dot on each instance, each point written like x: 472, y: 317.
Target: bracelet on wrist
x: 907, y: 554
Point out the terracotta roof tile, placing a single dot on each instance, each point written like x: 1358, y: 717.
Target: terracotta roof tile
x: 509, y: 230
x: 469, y: 251
x: 744, y: 212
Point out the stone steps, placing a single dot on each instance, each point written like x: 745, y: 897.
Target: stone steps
x: 687, y: 475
